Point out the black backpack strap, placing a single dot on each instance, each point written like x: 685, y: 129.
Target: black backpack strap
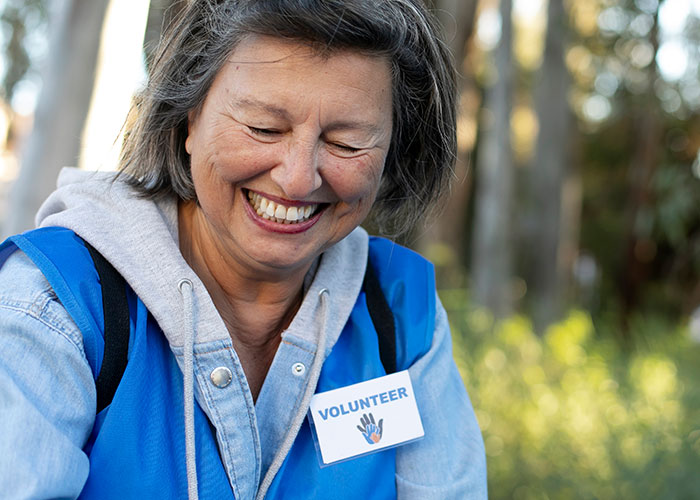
x: 116, y: 334
x: 116, y: 325
x: 383, y: 319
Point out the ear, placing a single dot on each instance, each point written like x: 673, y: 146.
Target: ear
x: 191, y: 119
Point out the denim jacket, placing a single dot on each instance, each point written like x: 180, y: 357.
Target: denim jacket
x: 47, y: 398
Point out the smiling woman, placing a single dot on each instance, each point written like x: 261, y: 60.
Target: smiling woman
x: 288, y: 128
x: 267, y: 133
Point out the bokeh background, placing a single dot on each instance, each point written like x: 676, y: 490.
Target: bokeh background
x: 567, y: 255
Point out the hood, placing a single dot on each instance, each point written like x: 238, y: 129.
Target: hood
x: 140, y: 239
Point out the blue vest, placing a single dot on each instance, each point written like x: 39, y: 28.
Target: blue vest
x: 137, y: 444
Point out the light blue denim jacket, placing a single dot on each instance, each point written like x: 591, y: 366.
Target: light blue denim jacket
x: 47, y: 390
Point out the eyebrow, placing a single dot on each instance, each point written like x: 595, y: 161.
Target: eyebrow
x: 369, y: 127
x: 365, y: 126
x: 247, y: 102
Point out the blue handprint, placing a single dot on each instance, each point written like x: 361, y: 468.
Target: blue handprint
x: 371, y: 431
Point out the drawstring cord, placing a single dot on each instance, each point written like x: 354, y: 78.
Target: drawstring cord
x: 314, y: 374
x: 187, y: 292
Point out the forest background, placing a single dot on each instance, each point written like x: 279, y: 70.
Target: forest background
x: 567, y: 256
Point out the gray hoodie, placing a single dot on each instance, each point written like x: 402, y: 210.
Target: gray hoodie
x: 140, y: 238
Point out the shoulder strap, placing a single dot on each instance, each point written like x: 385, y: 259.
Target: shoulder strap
x: 116, y: 332
x: 382, y: 317
x: 93, y: 293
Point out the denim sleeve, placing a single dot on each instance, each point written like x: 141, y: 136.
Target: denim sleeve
x: 449, y: 462
x: 47, y: 390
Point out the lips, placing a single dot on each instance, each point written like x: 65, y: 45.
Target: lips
x: 279, y: 212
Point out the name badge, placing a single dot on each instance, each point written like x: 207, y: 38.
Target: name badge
x: 365, y: 418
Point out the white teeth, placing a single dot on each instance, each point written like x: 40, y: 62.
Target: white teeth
x: 277, y: 212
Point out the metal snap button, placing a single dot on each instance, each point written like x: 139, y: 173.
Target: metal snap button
x: 221, y: 377
x: 298, y: 369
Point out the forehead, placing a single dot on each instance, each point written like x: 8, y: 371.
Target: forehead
x: 287, y: 74
x: 269, y: 49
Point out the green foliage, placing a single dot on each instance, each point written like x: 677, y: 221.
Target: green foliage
x: 571, y: 415
x: 640, y: 217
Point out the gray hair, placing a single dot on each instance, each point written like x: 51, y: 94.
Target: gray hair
x: 197, y: 44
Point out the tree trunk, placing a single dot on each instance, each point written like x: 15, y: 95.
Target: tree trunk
x: 638, y: 247
x: 636, y: 258
x: 160, y: 14
x: 491, y: 242
x: 61, y: 110
x: 457, y: 18
x: 550, y: 259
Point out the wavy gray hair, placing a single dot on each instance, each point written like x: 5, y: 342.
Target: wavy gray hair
x: 197, y: 44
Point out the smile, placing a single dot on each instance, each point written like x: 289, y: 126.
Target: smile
x: 277, y: 212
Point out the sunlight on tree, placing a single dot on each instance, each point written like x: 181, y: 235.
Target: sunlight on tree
x: 120, y: 72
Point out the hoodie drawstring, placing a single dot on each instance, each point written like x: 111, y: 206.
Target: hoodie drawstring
x: 314, y: 373
x: 187, y: 292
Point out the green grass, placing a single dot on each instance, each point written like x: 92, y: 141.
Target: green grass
x: 572, y: 414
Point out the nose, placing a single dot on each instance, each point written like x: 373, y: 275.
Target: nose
x: 297, y: 172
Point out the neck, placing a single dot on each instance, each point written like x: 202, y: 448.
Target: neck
x: 255, y: 304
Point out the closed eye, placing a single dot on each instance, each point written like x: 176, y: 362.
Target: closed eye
x: 345, y: 148
x: 263, y: 131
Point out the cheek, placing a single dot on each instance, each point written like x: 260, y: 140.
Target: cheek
x: 355, y: 183
x: 231, y: 160
x: 213, y: 193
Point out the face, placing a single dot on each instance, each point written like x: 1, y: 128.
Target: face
x: 288, y: 150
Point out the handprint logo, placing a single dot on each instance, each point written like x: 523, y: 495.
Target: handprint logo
x: 371, y: 431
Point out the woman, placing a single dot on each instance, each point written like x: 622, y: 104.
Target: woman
x: 266, y: 133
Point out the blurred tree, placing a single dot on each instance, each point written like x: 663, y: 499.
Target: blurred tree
x: 550, y: 254
x: 61, y: 110
x: 457, y: 18
x: 18, y: 18
x: 491, y: 265
x: 160, y: 14
x: 640, y: 135
x: 608, y: 207
x: 644, y: 160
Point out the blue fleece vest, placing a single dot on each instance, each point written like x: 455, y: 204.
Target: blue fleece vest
x: 137, y: 445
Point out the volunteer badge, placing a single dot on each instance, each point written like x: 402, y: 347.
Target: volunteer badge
x: 365, y: 418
